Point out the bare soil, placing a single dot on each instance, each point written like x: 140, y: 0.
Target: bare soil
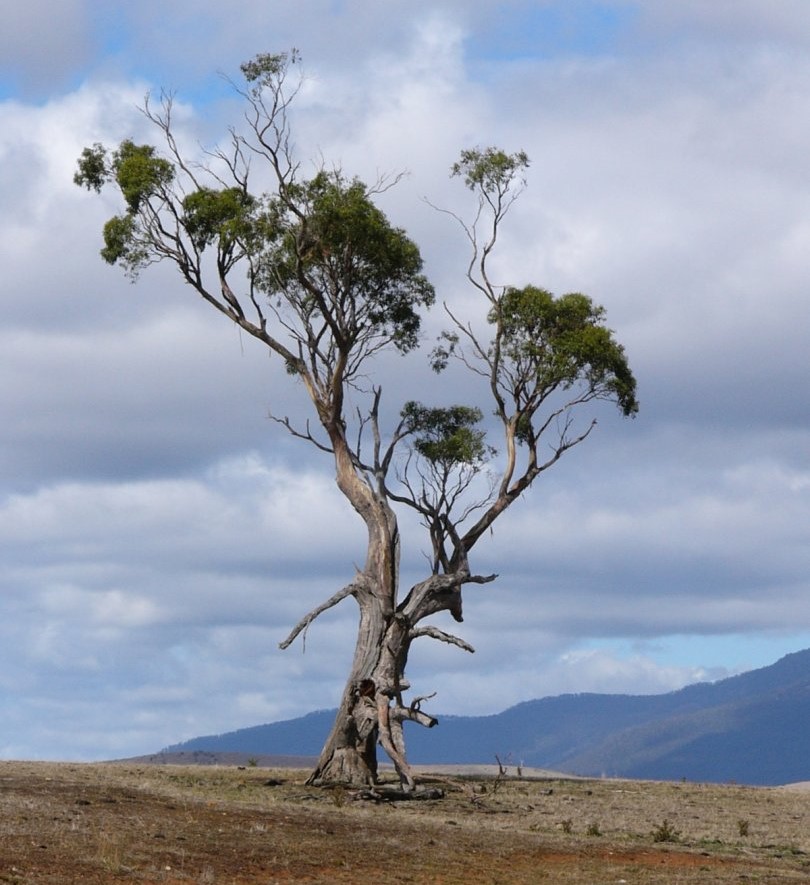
x: 132, y: 823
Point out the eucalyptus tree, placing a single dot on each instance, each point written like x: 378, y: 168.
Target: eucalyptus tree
x: 316, y: 272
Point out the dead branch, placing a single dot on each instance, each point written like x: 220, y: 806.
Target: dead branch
x: 388, y: 741
x: 309, y: 618
x: 416, y: 703
x: 301, y: 434
x: 441, y: 636
x: 412, y: 714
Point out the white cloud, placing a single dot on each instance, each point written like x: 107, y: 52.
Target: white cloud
x: 159, y: 536
x: 146, y: 593
x: 40, y: 42
x: 728, y: 20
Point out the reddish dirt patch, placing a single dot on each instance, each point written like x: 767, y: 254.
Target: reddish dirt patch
x: 99, y: 824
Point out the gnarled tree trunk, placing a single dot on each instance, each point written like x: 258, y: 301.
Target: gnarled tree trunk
x: 363, y: 718
x: 350, y: 752
x: 371, y: 710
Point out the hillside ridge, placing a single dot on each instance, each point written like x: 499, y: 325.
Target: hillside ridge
x: 750, y: 728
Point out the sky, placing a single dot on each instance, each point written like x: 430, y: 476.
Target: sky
x: 159, y: 535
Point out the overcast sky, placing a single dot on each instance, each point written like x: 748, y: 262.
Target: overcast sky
x: 159, y: 535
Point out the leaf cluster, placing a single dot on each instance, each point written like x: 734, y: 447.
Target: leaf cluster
x: 335, y: 255
x: 140, y: 174
x: 136, y: 169
x: 218, y: 216
x: 447, y: 436
x: 265, y: 69
x: 489, y: 170
x: 548, y: 343
x: 340, y: 277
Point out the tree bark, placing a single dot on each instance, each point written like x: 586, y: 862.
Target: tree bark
x: 370, y: 709
x: 350, y: 752
x: 363, y: 718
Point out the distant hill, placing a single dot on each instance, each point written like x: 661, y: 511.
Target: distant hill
x: 752, y: 729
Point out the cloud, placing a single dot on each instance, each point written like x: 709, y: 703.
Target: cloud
x: 40, y: 43
x: 727, y: 21
x: 159, y: 535
x: 144, y: 592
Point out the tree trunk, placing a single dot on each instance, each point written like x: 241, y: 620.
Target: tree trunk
x: 350, y: 752
x: 370, y: 710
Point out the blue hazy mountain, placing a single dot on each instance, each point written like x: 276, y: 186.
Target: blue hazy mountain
x: 753, y: 729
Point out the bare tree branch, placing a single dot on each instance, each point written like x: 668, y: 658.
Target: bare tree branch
x: 412, y: 714
x: 441, y: 636
x: 299, y: 434
x: 349, y: 590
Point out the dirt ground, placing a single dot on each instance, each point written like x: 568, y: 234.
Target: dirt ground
x: 90, y: 824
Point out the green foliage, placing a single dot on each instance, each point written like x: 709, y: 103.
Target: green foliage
x: 121, y: 243
x: 321, y: 246
x: 93, y: 171
x: 447, y: 436
x: 266, y: 68
x: 443, y: 351
x: 221, y: 216
x: 367, y: 272
x: 554, y: 343
x: 139, y: 173
x: 490, y: 170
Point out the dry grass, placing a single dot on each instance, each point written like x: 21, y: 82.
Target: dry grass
x: 147, y: 824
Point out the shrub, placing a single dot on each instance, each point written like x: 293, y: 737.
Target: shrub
x: 665, y: 832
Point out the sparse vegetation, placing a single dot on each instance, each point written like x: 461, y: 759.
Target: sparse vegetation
x: 665, y: 832
x: 128, y: 823
x: 338, y: 795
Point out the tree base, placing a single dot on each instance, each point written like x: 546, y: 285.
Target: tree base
x: 345, y: 766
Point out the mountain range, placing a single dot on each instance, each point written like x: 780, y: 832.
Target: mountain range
x: 750, y: 729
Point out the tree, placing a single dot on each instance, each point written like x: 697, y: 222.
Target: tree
x: 326, y: 283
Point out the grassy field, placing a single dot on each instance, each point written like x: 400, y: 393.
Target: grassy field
x: 89, y: 824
